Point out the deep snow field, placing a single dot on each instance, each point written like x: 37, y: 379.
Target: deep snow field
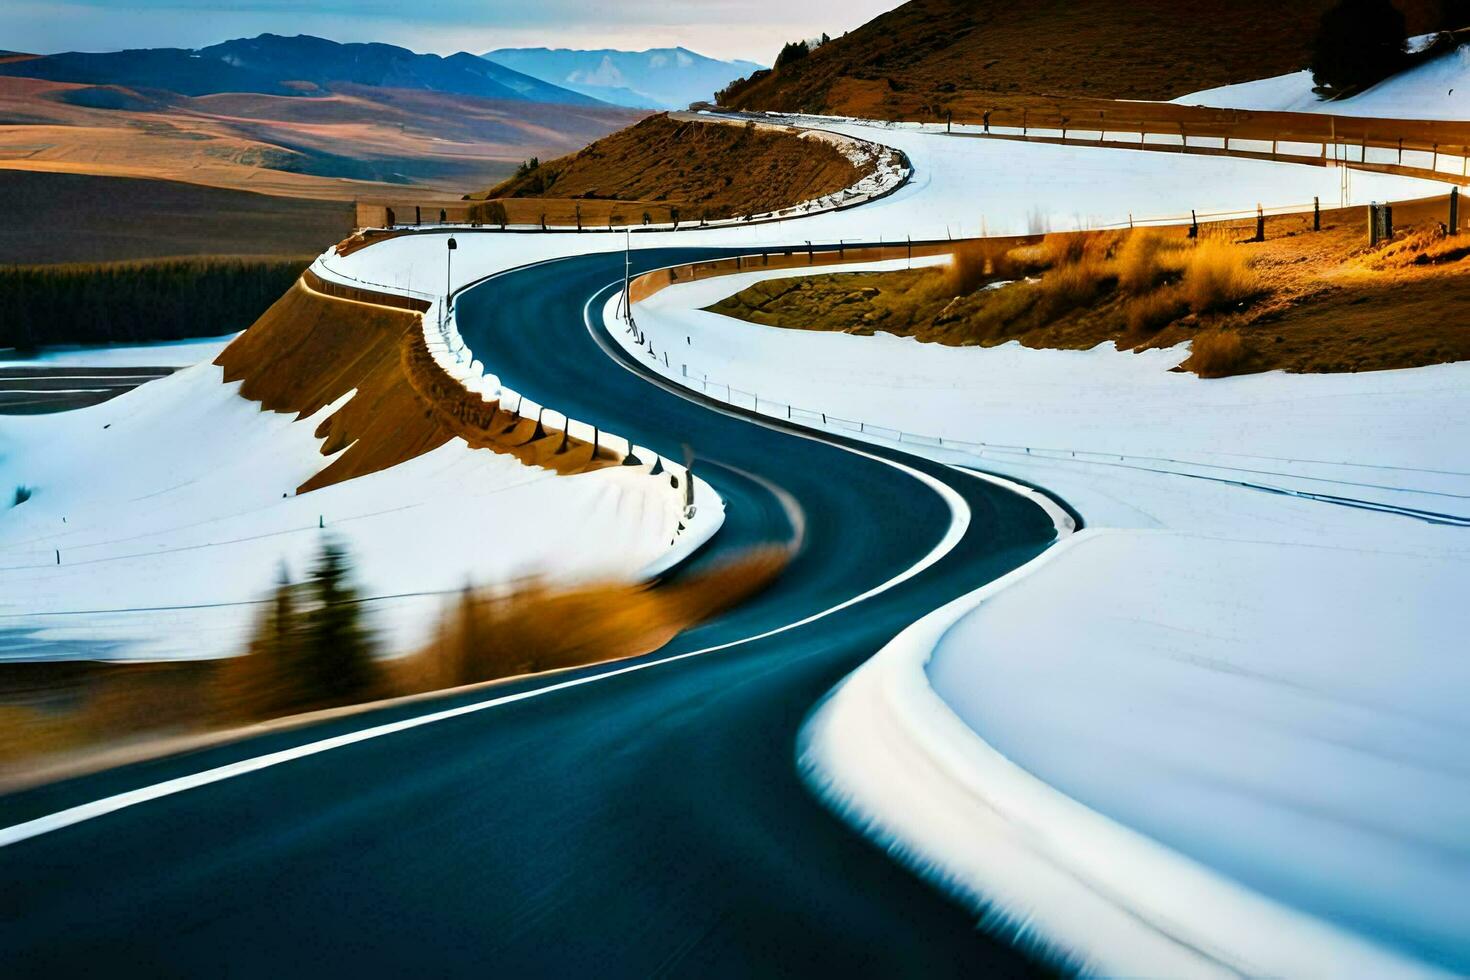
x: 1243, y: 657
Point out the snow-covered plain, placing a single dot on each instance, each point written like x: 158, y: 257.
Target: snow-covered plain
x: 158, y: 519
x: 1437, y: 89
x: 1257, y: 642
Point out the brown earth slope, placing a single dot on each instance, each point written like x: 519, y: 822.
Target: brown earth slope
x: 311, y: 348
x: 705, y: 170
x: 1117, y: 49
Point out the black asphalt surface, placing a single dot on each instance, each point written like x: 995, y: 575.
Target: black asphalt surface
x: 650, y: 823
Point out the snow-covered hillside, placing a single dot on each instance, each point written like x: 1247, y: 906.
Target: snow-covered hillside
x: 1436, y: 89
x: 1251, y: 658
x: 172, y: 510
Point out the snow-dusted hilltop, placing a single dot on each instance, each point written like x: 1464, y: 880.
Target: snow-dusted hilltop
x: 659, y: 78
x: 1436, y: 89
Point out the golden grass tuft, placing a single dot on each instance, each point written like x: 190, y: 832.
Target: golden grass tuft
x: 1146, y: 260
x: 969, y: 268
x: 1426, y: 246
x: 1067, y: 248
x: 1219, y: 276
x: 1216, y: 354
x: 1150, y: 312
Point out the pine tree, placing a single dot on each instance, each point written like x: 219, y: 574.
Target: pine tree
x: 266, y: 682
x: 338, y: 649
x: 1359, y: 43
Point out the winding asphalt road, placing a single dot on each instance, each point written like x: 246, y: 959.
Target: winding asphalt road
x: 623, y: 822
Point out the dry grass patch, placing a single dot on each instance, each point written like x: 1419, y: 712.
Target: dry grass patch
x: 1301, y: 301
x: 1216, y: 354
x: 1218, y: 276
x: 534, y: 626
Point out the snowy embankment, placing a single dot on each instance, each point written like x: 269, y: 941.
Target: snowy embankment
x: 173, y: 509
x: 1437, y: 89
x: 1218, y: 730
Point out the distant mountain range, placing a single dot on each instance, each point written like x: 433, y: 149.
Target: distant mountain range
x: 275, y: 65
x: 660, y: 78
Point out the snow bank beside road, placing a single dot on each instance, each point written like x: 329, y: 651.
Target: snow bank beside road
x: 1255, y: 655
x: 1292, y: 716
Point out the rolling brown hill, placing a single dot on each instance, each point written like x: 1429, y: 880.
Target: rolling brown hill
x: 352, y: 142
x: 704, y: 169
x: 922, y: 53
x: 51, y: 217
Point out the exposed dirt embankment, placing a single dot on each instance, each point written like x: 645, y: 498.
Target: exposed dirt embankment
x: 1301, y: 301
x: 702, y: 170
x: 309, y: 349
x: 927, y: 50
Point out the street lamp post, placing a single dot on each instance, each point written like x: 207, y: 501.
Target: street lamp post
x: 448, y: 277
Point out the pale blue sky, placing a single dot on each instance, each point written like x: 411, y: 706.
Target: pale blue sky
x: 751, y: 29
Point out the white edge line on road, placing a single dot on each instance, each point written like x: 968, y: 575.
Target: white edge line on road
x: 958, y: 524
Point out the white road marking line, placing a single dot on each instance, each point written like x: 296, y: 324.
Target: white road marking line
x: 958, y: 524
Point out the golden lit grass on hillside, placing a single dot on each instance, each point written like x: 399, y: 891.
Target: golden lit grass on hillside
x: 926, y: 50
x: 704, y: 169
x: 1301, y: 301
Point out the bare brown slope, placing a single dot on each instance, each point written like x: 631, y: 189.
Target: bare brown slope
x: 1116, y: 49
x: 706, y: 170
x: 310, y: 349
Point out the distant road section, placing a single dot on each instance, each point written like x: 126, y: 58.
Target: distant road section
x: 45, y: 388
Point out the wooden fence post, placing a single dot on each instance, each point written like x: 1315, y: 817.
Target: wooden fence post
x: 1453, y: 225
x: 1260, y: 224
x: 1316, y: 214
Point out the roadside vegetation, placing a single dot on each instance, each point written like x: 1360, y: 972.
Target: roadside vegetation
x: 669, y: 169
x: 166, y: 299
x: 1300, y: 301
x: 314, y: 648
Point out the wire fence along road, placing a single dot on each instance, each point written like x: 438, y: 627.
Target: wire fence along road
x: 1247, y: 477
x: 1414, y: 147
